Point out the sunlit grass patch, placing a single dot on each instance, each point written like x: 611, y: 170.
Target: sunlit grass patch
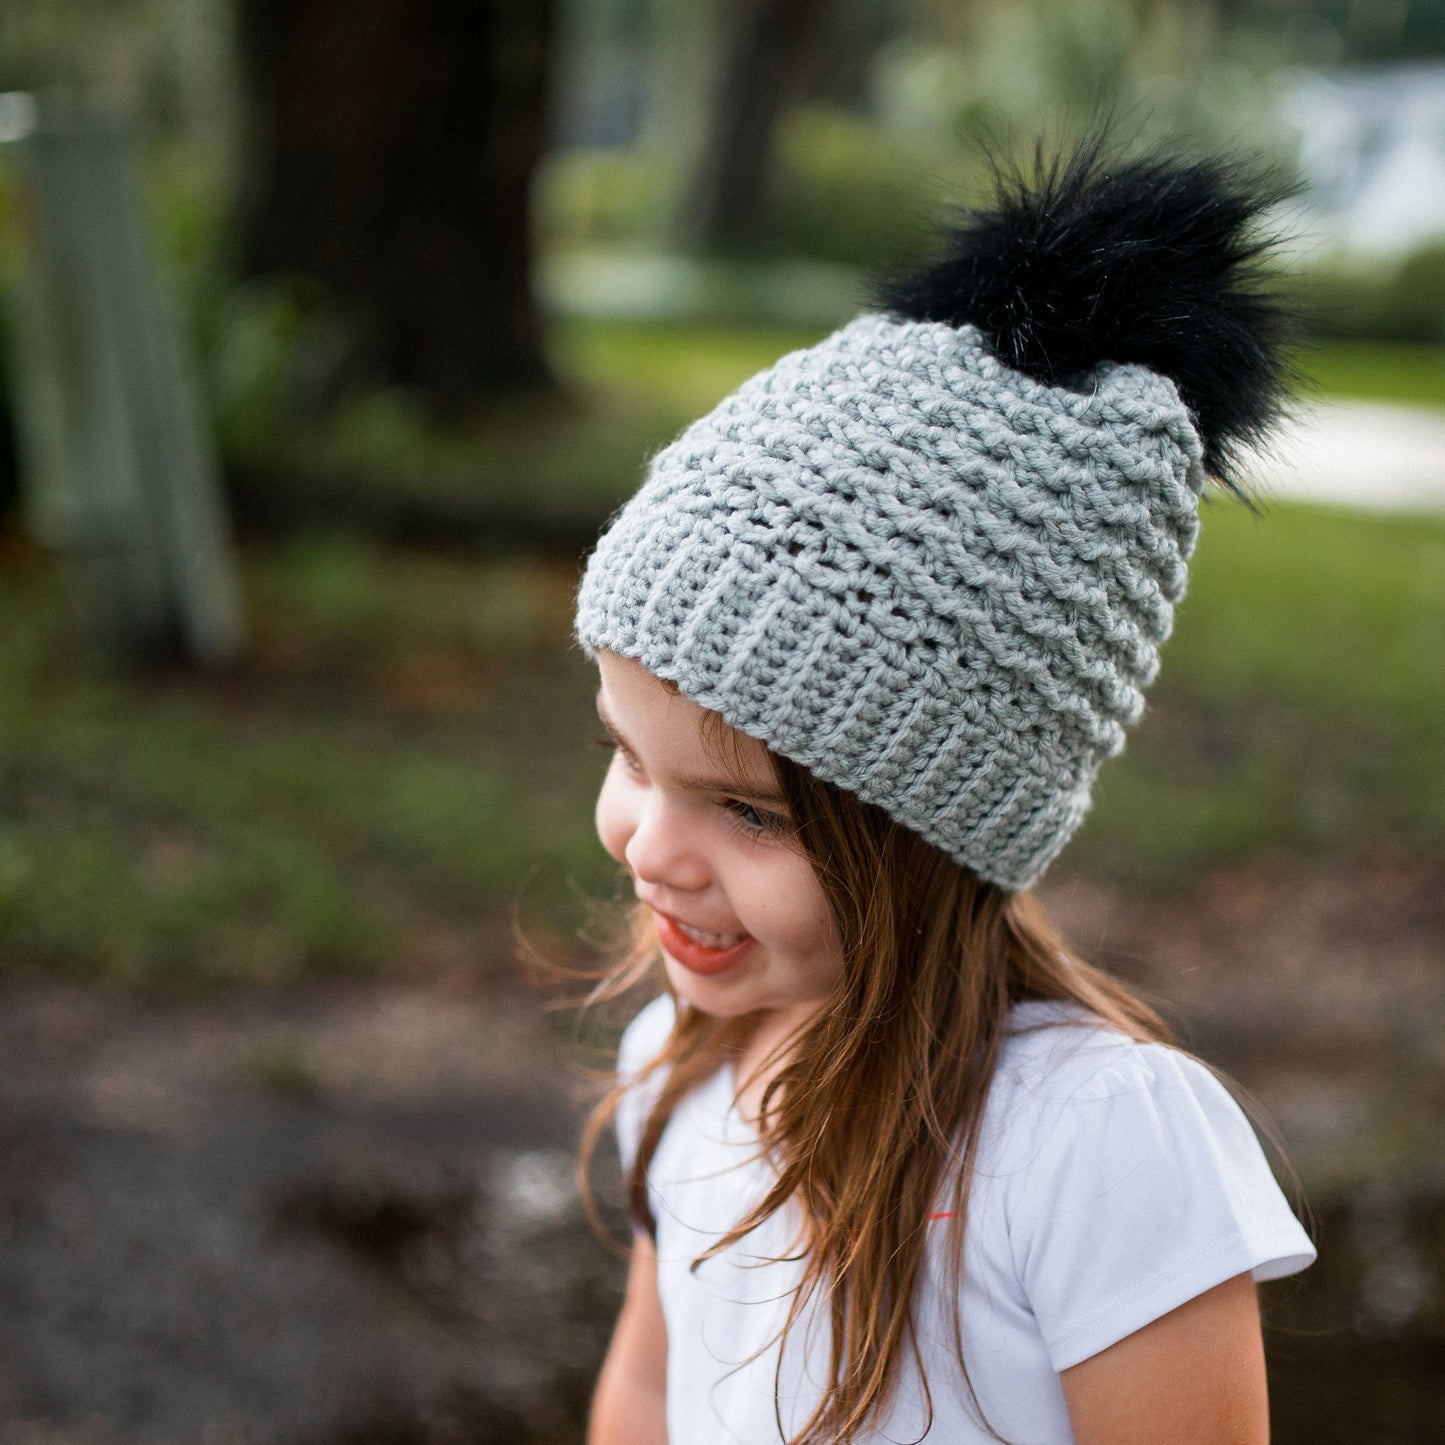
x: 686, y: 369
x: 1394, y: 371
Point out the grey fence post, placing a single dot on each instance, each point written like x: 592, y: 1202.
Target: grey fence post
x: 118, y: 467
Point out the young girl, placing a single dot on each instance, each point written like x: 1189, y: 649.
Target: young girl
x: 902, y: 1166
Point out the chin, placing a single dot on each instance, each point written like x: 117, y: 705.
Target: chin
x: 731, y: 996
x: 711, y: 996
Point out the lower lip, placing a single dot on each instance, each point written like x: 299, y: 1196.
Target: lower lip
x: 696, y: 957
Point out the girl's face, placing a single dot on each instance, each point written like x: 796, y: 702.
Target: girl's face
x: 706, y: 837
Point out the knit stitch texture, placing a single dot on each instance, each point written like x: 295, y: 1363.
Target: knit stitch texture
x: 921, y: 575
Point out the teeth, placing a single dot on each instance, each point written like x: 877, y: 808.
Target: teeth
x: 710, y: 940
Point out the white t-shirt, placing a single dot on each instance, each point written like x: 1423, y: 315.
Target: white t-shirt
x: 1113, y: 1182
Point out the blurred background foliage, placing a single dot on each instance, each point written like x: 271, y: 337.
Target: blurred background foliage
x: 452, y: 277
x: 449, y: 275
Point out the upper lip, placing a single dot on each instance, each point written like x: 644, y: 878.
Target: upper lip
x: 688, y: 923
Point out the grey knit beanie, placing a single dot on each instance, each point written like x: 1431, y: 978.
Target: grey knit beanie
x: 932, y: 559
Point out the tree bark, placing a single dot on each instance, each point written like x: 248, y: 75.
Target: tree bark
x: 392, y: 148
x: 768, y: 47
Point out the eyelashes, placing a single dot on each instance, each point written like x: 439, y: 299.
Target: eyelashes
x: 612, y: 745
x: 752, y: 822
x: 745, y: 818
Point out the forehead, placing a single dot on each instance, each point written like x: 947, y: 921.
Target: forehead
x: 669, y: 729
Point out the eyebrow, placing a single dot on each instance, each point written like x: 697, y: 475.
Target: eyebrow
x: 700, y: 783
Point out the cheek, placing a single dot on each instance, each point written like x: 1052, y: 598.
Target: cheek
x: 615, y: 824
x: 793, y: 909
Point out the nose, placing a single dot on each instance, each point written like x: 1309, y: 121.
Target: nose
x: 661, y: 851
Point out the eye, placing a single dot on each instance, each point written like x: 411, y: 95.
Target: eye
x: 753, y: 822
x: 613, y: 746
x: 745, y: 814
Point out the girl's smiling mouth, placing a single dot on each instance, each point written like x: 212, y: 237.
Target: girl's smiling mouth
x: 698, y: 949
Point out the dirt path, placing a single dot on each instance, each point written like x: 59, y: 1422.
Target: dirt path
x: 345, y: 1216
x: 1360, y: 454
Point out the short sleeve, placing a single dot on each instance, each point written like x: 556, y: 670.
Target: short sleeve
x: 642, y: 1041
x: 1146, y: 1188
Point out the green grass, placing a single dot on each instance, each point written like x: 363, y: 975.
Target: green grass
x: 406, y: 754
x: 1301, y: 703
x: 1328, y: 609
x: 686, y: 369
x: 386, y: 766
x: 1379, y: 371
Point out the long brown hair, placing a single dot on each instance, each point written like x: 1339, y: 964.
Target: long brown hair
x: 871, y: 1116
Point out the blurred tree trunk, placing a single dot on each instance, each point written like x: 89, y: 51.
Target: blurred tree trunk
x: 856, y: 30
x: 767, y: 50
x: 392, y: 146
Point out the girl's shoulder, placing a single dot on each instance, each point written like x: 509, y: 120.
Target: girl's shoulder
x: 1068, y: 1087
x: 1122, y: 1178
x: 1082, y: 1118
x: 1059, y: 1052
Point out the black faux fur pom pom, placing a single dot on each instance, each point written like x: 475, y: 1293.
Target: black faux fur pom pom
x: 1089, y: 258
